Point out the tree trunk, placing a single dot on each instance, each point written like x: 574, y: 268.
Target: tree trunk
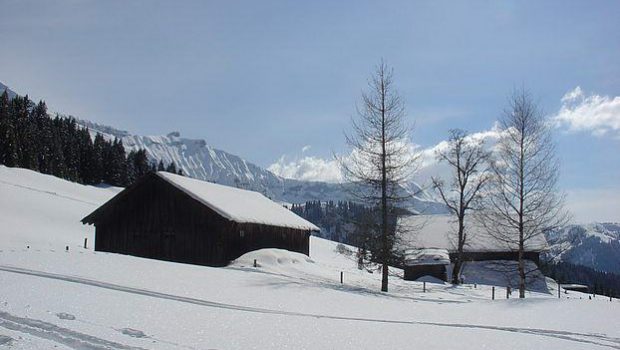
x: 456, y: 271
x: 521, y: 276
x: 521, y: 270
x: 461, y: 243
x: 384, y: 219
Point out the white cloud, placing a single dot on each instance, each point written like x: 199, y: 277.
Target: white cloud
x: 430, y: 167
x: 305, y: 148
x: 307, y: 168
x: 597, y: 114
x: 313, y: 168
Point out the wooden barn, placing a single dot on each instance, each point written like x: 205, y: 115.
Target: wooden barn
x: 434, y: 232
x: 171, y: 217
x: 426, y: 262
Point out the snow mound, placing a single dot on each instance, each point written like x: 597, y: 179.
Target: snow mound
x: 272, y: 258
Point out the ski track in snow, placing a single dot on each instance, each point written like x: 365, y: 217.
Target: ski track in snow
x: 64, y: 336
x: 49, y: 192
x: 82, y: 341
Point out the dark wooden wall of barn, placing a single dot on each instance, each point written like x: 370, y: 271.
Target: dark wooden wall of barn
x: 412, y: 273
x: 156, y: 220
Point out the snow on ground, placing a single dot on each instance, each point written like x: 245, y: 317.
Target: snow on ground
x: 83, y: 299
x: 44, y: 211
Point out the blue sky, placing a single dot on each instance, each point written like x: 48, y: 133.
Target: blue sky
x: 263, y: 79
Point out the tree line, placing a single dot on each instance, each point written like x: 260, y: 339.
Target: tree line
x: 599, y: 282
x: 336, y: 219
x: 30, y: 138
x: 512, y: 193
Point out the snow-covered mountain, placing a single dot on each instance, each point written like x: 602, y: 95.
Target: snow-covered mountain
x: 201, y: 161
x: 595, y: 245
x: 10, y: 92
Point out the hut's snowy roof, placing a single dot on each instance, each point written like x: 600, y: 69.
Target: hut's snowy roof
x: 427, y: 256
x: 439, y: 231
x: 238, y: 205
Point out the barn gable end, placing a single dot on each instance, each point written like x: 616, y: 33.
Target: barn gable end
x: 156, y: 219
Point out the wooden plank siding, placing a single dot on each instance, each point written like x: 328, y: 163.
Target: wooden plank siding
x: 412, y: 273
x: 157, y: 220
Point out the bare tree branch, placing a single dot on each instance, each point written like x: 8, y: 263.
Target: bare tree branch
x: 467, y: 158
x: 380, y: 164
x: 523, y: 201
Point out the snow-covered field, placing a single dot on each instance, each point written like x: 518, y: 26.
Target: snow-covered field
x: 81, y: 299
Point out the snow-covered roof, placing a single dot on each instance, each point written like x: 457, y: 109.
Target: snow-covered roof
x: 439, y: 231
x: 427, y: 256
x: 238, y: 205
x: 573, y: 286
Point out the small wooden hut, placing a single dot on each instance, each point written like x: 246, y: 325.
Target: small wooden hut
x: 171, y: 217
x: 426, y: 262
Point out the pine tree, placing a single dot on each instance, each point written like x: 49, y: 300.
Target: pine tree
x: 99, y: 149
x: 43, y: 137
x: 171, y: 168
x: 57, y: 163
x: 131, y: 168
x: 68, y: 132
x: 141, y: 163
x: 24, y: 137
x: 5, y: 127
x: 86, y: 150
x: 116, y: 164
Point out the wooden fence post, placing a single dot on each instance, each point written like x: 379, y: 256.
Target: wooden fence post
x: 85, y: 241
x: 508, y: 292
x: 66, y: 248
x: 493, y: 293
x: 254, y: 262
x: 424, y: 287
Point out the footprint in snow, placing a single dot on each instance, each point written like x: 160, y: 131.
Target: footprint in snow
x: 65, y: 316
x: 133, y: 333
x: 6, y: 340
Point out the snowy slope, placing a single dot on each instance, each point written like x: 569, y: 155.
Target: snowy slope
x: 32, y: 203
x: 83, y: 299
x: 595, y: 245
x: 201, y: 161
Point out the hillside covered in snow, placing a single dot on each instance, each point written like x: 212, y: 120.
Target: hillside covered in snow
x: 594, y: 245
x: 51, y: 297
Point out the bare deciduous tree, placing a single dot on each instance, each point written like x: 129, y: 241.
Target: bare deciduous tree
x: 523, y: 200
x: 381, y: 161
x: 467, y: 159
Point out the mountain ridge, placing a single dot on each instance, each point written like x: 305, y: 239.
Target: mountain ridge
x: 10, y: 92
x: 594, y: 245
x: 199, y: 160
